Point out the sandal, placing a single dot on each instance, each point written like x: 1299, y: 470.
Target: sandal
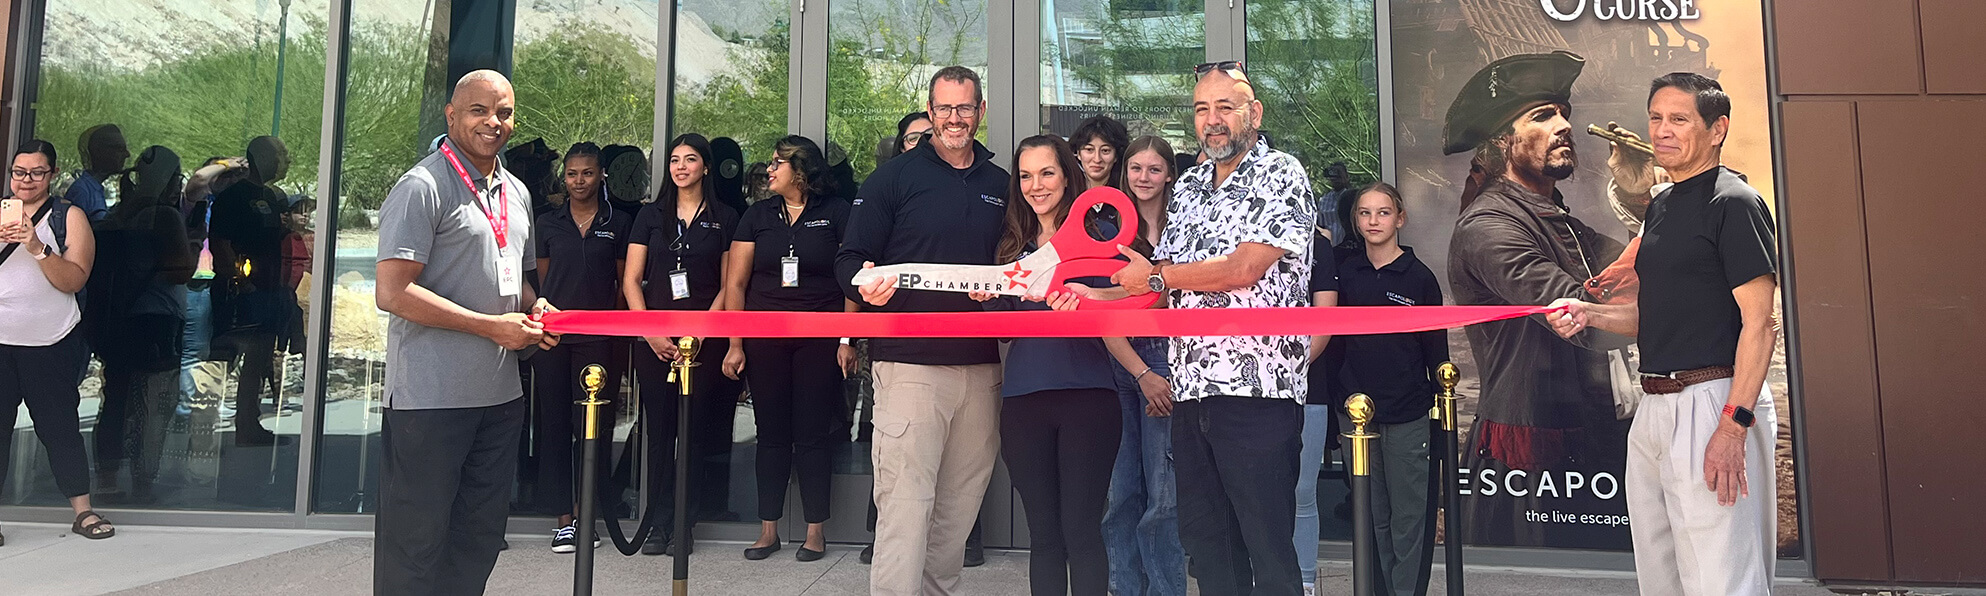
x: 97, y: 530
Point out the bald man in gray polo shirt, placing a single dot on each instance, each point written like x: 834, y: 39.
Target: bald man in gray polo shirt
x: 454, y: 244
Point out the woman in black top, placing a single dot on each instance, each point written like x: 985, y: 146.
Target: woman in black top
x: 1397, y: 371
x: 675, y: 261
x: 580, y: 250
x: 782, y: 258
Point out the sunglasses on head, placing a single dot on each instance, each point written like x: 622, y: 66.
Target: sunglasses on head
x: 1224, y: 65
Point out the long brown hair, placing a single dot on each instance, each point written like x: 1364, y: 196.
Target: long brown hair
x: 1022, y: 225
x: 1164, y: 150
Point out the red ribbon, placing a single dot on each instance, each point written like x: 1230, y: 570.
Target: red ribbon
x: 1185, y: 322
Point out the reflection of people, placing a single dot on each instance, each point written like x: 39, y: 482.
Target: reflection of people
x: 1238, y: 235
x: 1397, y: 371
x: 581, y: 245
x: 1100, y: 142
x: 1059, y: 420
x: 252, y: 306
x: 675, y: 261
x: 1547, y: 403
x: 137, y: 310
x: 1707, y: 264
x: 454, y: 243
x: 104, y: 154
x: 1141, y: 520
x: 782, y: 258
x: 47, y: 258
x: 1333, y: 213
x: 937, y: 400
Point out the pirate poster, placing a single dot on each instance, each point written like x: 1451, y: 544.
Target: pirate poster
x: 1544, y: 421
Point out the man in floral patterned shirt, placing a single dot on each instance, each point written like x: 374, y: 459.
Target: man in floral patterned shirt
x: 1238, y: 236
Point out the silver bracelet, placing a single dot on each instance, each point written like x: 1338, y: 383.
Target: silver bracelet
x: 1141, y: 376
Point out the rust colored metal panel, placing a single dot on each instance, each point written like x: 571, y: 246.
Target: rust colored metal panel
x: 1847, y: 47
x: 1953, y: 46
x: 1823, y: 206
x: 1920, y: 173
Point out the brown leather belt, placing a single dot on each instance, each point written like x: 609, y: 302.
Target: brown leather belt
x: 1675, y: 382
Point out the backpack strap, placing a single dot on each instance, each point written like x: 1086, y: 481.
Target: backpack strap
x: 59, y: 226
x: 39, y: 214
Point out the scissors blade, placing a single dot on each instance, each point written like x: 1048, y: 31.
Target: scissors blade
x: 944, y: 278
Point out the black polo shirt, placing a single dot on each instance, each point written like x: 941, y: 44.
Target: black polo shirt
x: 582, y: 275
x: 1395, y: 369
x: 1323, y: 278
x: 1705, y: 237
x: 814, y: 238
x: 700, y: 251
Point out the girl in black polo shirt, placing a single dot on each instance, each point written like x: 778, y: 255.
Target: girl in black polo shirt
x: 675, y: 262
x: 580, y: 247
x: 1397, y: 371
x: 782, y: 258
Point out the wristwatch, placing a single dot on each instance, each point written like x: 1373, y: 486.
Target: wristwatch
x: 1739, y: 415
x: 43, y: 254
x: 1156, y: 280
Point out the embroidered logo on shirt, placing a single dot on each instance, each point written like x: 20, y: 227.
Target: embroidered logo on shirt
x: 1401, y: 300
x: 710, y: 225
x: 818, y: 223
x: 993, y: 200
x: 603, y: 234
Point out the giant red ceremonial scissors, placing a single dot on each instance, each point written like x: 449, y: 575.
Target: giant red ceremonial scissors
x: 1071, y: 253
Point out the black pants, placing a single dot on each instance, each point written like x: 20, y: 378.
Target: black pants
x: 1236, y: 460
x: 45, y: 378
x: 140, y: 388
x: 444, y: 495
x: 796, y: 397
x: 1060, y: 447
x: 557, y: 425
x: 713, y: 406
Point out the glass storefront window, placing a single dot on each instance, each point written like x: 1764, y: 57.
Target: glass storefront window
x: 1130, y: 60
x: 194, y: 390
x: 1314, y: 65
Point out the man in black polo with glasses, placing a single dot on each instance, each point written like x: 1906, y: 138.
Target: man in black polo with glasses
x: 1238, y: 236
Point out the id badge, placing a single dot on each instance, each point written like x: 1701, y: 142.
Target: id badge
x: 510, y: 281
x: 679, y: 284
x: 789, y: 272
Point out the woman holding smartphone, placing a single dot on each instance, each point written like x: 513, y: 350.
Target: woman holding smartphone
x: 782, y: 258
x: 41, y: 355
x: 675, y: 261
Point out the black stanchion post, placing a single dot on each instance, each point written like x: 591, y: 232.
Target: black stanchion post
x: 1365, y: 566
x: 582, y: 572
x: 684, y: 372
x: 1451, y: 485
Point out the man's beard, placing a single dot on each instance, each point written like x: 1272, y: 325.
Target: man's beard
x: 1561, y: 169
x: 1223, y: 152
x: 963, y: 142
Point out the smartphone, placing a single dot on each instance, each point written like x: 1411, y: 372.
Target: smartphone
x: 11, y: 211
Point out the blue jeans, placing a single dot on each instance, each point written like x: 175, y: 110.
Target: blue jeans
x: 1316, y: 434
x: 195, y: 341
x: 1141, y: 522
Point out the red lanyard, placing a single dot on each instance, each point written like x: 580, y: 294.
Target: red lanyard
x: 499, y: 225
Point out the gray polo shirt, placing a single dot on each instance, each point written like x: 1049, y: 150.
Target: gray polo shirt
x: 431, y: 218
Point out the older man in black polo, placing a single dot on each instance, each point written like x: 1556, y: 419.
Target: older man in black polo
x: 1700, y: 456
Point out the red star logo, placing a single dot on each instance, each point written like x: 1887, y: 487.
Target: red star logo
x: 1015, y: 275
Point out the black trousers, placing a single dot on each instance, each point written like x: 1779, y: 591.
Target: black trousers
x: 558, y: 426
x: 1236, y: 461
x: 1061, y: 446
x: 444, y: 495
x: 140, y: 389
x: 713, y: 407
x: 44, y: 378
x: 796, y: 401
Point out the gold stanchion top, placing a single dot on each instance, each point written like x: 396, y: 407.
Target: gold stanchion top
x: 1359, y: 408
x: 689, y: 346
x: 1449, y: 376
x: 593, y: 378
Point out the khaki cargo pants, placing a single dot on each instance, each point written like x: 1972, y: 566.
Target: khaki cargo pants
x: 937, y: 436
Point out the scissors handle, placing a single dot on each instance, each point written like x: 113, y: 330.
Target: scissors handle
x: 1073, y: 241
x: 1099, y: 268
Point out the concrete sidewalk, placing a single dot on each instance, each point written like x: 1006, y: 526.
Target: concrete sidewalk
x: 44, y: 559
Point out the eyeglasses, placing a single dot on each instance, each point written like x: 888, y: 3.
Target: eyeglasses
x: 1224, y: 65
x: 776, y: 162
x: 963, y: 111
x: 32, y: 175
x: 912, y: 138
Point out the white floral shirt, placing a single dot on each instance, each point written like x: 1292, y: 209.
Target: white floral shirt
x: 1267, y: 200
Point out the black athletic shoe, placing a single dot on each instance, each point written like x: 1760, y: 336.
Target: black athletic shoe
x: 975, y: 555
x: 562, y: 540
x: 656, y: 545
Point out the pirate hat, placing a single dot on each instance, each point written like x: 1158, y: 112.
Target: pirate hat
x: 1503, y: 90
